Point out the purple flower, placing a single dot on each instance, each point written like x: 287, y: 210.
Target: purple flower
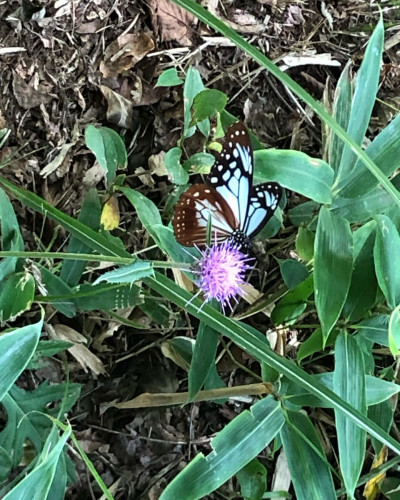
x: 222, y: 270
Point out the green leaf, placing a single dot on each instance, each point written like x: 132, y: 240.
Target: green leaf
x: 36, y: 485
x: 363, y: 287
x: 387, y: 260
x: 341, y: 113
x: 253, y: 480
x: 105, y: 296
x: 203, y: 358
x: 16, y: 349
x: 305, y: 244
x: 16, y: 296
x: 56, y: 286
x: 169, y: 78
x: 349, y: 384
x: 72, y: 270
x: 309, y: 469
x: 108, y: 148
x: 200, y: 163
x: 176, y: 171
x: 193, y: 86
x: 333, y: 267
x: 394, y: 332
x: 289, y: 308
x: 233, y: 447
x: 10, y: 235
x: 382, y: 414
x: 304, y: 214
x: 207, y: 104
x: 364, y: 97
x: 293, y: 272
x: 375, y: 329
x: 295, y: 171
x: 315, y: 344
x: 128, y: 274
x: 385, y: 152
x: 147, y: 211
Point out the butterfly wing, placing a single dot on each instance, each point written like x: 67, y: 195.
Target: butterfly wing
x: 194, y: 209
x: 232, y: 173
x: 264, y: 199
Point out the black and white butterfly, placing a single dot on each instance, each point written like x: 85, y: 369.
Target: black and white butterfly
x: 238, y: 210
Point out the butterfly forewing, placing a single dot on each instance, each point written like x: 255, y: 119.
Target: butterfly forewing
x: 232, y: 173
x: 195, y: 207
x: 264, y: 199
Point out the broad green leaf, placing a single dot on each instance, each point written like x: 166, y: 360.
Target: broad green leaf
x: 365, y: 90
x: 47, y: 348
x: 305, y: 244
x: 89, y: 297
x: 387, y: 260
x: 36, y: 485
x: 16, y: 349
x: 10, y: 235
x: 385, y: 152
x: 364, y: 207
x: 169, y: 78
x: 72, y: 270
x: 172, y: 163
x: 253, y: 480
x: 233, y: 447
x: 309, y: 469
x: 377, y: 390
x: 56, y: 286
x: 333, y: 267
x: 315, y: 344
x: 288, y: 309
x: 207, y: 104
x: 295, y: 171
x: 293, y: 272
x: 341, y: 113
x: 375, y: 329
x: 128, y: 274
x: 157, y: 312
x: 203, y: 358
x: 16, y: 295
x: 146, y: 210
x: 363, y: 287
x: 200, y: 163
x: 109, y: 149
x: 304, y: 214
x: 349, y: 384
x: 193, y: 86
x: 394, y: 331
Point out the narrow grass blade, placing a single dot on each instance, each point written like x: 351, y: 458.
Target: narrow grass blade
x: 349, y: 384
x: 333, y: 267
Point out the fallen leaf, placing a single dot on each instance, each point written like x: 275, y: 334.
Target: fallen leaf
x: 124, y: 53
x: 172, y: 22
x: 80, y: 352
x: 119, y: 110
x: 26, y: 95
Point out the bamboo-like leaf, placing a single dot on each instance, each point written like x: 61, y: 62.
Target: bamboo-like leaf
x: 296, y: 171
x: 233, y: 447
x: 309, y: 469
x: 349, y: 384
x: 365, y: 91
x: 333, y: 267
x: 387, y: 260
x: 394, y: 332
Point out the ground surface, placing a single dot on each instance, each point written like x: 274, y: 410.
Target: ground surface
x: 60, y: 70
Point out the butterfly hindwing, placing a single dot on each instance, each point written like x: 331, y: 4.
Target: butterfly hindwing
x: 263, y: 201
x: 195, y: 207
x: 232, y: 172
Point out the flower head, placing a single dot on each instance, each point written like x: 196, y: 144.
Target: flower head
x: 222, y: 271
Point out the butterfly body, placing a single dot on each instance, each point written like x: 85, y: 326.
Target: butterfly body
x: 238, y: 210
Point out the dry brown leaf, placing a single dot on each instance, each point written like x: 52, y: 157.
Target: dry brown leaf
x: 27, y: 96
x: 80, y: 352
x: 124, y: 52
x: 173, y: 22
x: 120, y: 110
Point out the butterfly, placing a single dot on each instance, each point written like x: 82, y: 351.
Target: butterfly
x: 238, y: 210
